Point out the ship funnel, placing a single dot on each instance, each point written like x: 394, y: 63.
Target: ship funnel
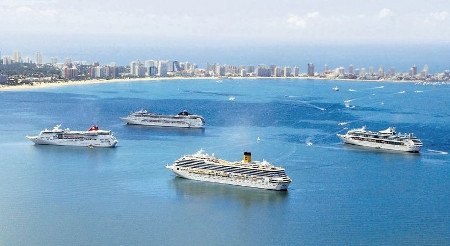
x: 247, y: 157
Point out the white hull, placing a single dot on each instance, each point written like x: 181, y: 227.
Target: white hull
x: 231, y: 180
x: 403, y: 148
x: 181, y: 123
x: 106, y: 143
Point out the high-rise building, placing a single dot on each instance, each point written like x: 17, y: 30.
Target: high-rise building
x: 310, y: 69
x: 425, y: 70
x: 263, y: 71
x: 17, y: 57
x: 53, y: 60
x: 38, y: 58
x: 242, y: 72
x: 287, y: 72
x: 69, y: 72
x: 219, y: 70
x: 176, y: 66
x: 162, y: 68
x: 6, y: 60
x: 414, y: 70
x: 351, y: 69
x: 381, y: 71
x: 250, y: 69
x: 150, y: 67
x: 111, y: 71
x: 137, y: 69
x: 296, y: 71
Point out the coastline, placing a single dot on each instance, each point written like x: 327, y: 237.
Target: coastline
x: 40, y: 85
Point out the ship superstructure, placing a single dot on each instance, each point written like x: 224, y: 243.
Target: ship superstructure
x: 386, y: 139
x: 183, y: 119
x: 257, y: 174
x: 93, y: 137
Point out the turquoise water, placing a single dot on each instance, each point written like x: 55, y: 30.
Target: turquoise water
x: 124, y: 196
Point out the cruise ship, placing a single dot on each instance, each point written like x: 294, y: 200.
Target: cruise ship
x: 387, y: 139
x: 182, y: 119
x: 93, y: 137
x: 257, y: 174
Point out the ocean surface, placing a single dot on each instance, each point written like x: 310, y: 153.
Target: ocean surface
x: 340, y: 194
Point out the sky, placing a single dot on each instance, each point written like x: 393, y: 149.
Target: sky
x: 84, y: 26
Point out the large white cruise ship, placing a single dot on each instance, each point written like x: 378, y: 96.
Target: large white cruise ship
x: 182, y: 119
x: 93, y: 137
x: 256, y: 174
x: 386, y: 139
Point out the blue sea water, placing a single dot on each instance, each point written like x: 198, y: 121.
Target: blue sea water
x: 124, y: 196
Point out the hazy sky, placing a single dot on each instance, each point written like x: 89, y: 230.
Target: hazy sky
x: 132, y: 23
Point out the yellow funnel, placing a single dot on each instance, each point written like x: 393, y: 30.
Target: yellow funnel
x: 247, y: 157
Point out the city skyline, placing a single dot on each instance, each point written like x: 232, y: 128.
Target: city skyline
x: 20, y: 70
x: 395, y: 34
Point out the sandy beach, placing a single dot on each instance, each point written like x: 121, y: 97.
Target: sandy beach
x: 40, y: 85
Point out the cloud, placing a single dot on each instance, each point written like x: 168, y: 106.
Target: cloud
x: 439, y: 16
x: 296, y: 21
x: 312, y: 15
x: 385, y: 13
x: 301, y: 21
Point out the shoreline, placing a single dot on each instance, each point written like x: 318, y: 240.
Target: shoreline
x: 41, y: 85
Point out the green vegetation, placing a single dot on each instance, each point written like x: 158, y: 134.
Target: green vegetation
x: 29, y: 70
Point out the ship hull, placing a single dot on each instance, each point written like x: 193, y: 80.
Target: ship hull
x: 231, y: 180
x: 381, y: 146
x: 179, y: 124
x: 77, y: 143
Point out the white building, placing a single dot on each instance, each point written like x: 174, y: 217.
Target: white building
x: 162, y: 69
x: 296, y: 71
x: 38, y: 58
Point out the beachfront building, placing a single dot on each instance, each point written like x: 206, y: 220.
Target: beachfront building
x: 296, y: 71
x: 137, y: 69
x: 381, y: 72
x: 351, y: 69
x: 413, y: 70
x: 262, y: 71
x: 219, y: 70
x: 162, y: 68
x: 150, y: 67
x: 310, y: 69
x: 69, y: 72
x: 287, y: 72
